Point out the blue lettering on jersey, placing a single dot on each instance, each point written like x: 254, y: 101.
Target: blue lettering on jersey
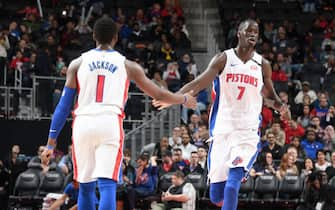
x: 102, y: 65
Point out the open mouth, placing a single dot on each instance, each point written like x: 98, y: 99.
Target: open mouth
x: 252, y: 40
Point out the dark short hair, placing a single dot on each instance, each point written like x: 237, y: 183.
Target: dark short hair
x: 105, y: 30
x: 177, y: 150
x: 179, y: 174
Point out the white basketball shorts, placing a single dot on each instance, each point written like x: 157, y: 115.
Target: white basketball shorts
x: 97, y: 147
x: 231, y: 150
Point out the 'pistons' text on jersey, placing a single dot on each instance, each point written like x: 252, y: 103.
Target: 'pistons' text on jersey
x: 237, y: 95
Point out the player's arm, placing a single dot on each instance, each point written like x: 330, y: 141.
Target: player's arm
x: 65, y: 103
x: 59, y: 202
x: 268, y: 89
x: 136, y: 73
x: 214, y: 68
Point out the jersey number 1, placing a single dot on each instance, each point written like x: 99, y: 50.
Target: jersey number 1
x: 240, y: 95
x: 100, y: 88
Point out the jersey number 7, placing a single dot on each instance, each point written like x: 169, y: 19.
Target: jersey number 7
x: 240, y: 95
x: 100, y: 88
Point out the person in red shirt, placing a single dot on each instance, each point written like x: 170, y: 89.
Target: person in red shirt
x: 292, y: 129
x: 267, y: 117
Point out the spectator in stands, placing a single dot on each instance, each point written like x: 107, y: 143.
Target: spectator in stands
x: 127, y: 158
x: 180, y: 196
x: 267, y: 117
x: 321, y: 163
x: 297, y: 145
x: 167, y: 165
x: 15, y: 164
x: 4, y: 184
x: 305, y: 119
x: 202, y: 154
x: 299, y: 108
x: 137, y: 39
x: 70, y: 195
x: 4, y: 46
x: 194, y: 123
x: 186, y: 146
x: 157, y: 79
x: 312, y: 194
x: 308, y: 168
x: 69, y: 36
x: 315, y: 122
x: 195, y: 166
x: 329, y: 118
x: 175, y: 139
x: 279, y: 78
x: 328, y: 139
x: 172, y: 76
x: 287, y: 167
x: 161, y: 146
x: 265, y: 166
x: 273, y: 147
x: 311, y: 145
x: 65, y: 164
x: 200, y: 136
x: 305, y: 90
x: 277, y: 132
x: 36, y: 164
x: 181, y: 164
x: 292, y: 129
x: 145, y: 181
x: 293, y: 151
x: 167, y: 54
x: 322, y: 108
x: 330, y: 170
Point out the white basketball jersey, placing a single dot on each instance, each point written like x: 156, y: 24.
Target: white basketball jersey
x: 237, y: 97
x: 102, y: 83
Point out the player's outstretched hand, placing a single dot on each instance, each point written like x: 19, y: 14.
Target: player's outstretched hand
x: 285, y: 112
x: 159, y: 104
x: 46, y: 156
x: 191, y: 101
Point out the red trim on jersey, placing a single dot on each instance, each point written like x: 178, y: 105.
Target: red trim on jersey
x: 119, y: 153
x: 74, y: 160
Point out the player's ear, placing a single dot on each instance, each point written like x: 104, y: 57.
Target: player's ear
x: 238, y: 34
x: 115, y: 38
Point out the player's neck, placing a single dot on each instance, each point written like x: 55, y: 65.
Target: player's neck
x: 244, y: 53
x: 104, y: 46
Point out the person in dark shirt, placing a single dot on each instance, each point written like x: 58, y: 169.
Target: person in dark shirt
x: 195, y: 167
x: 330, y: 170
x: 273, y: 148
x: 70, y: 192
x: 179, y: 162
x: 180, y: 196
x: 145, y: 180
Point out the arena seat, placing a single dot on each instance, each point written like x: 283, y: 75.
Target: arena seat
x: 165, y: 182
x: 289, y: 191
x: 265, y: 190
x: 25, y: 190
x: 246, y: 190
x: 52, y: 181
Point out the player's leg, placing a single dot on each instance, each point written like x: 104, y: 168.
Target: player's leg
x: 232, y: 187
x: 242, y: 156
x: 87, y: 197
x: 216, y: 193
x: 84, y: 163
x: 108, y: 157
x: 218, y: 169
x: 107, y: 189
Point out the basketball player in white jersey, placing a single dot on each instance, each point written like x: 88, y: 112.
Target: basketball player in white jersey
x: 101, y: 77
x: 241, y: 78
